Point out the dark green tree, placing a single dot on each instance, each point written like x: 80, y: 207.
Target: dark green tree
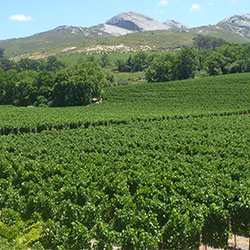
x: 215, y: 64
x: 28, y: 64
x: 52, y: 64
x: 186, y: 63
x: 25, y: 89
x: 105, y: 61
x: 6, y: 64
x: 78, y: 86
x: 202, y: 42
x: 162, y: 69
x: 139, y: 61
x: 1, y: 52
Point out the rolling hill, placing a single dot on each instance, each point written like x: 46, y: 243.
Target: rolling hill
x: 128, y: 28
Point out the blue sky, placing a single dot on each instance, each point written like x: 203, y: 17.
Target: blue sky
x: 20, y: 18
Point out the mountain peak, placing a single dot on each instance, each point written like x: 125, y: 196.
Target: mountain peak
x: 239, y: 21
x: 176, y: 25
x: 136, y: 22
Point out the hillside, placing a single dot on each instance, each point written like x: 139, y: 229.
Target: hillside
x: 129, y: 28
x: 154, y: 166
x: 210, y: 95
x: 53, y: 40
x: 232, y: 29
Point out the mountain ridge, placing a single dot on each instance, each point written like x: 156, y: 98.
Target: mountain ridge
x: 233, y: 29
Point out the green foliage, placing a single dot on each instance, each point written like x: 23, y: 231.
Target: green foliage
x: 139, y: 62
x: 202, y: 42
x: 1, y: 52
x: 65, y: 87
x: 105, y: 61
x: 186, y: 63
x: 215, y: 64
x: 15, y: 234
x: 217, y: 95
x: 231, y: 58
x: 140, y: 197
x: 170, y: 67
x: 216, y: 227
x: 162, y: 69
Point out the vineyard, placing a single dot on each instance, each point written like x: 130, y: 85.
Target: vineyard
x: 140, y: 101
x: 155, y: 166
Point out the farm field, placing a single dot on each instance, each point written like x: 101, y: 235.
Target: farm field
x: 132, y: 185
x: 138, y: 101
x: 155, y: 166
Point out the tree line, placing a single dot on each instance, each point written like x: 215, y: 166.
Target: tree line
x: 49, y: 82
x: 205, y: 60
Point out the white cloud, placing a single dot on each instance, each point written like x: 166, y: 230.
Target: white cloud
x: 20, y: 18
x: 210, y: 3
x: 195, y: 7
x: 163, y: 3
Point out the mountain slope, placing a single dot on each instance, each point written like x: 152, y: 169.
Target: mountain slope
x: 136, y: 22
x: 237, y: 24
x: 57, y: 38
x: 129, y: 28
x: 176, y: 25
x: 233, y: 29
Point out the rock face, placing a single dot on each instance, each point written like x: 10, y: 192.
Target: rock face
x: 114, y: 30
x: 136, y: 22
x: 176, y: 25
x: 238, y: 21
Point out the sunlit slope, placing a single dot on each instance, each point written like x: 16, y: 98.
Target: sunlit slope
x: 139, y: 101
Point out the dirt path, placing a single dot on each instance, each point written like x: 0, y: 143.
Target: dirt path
x: 242, y: 244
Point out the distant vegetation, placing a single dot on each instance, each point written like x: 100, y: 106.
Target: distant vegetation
x: 1, y: 52
x: 202, y: 42
x: 53, y: 83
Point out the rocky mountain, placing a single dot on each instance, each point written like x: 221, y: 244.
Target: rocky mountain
x: 238, y: 21
x: 133, y: 25
x: 237, y: 24
x: 176, y: 25
x: 233, y: 29
x: 136, y: 22
x: 114, y: 30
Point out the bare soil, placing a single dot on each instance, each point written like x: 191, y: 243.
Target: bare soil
x: 242, y: 244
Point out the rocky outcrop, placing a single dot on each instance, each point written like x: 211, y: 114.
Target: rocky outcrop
x: 114, y: 30
x: 176, y: 25
x: 238, y: 21
x: 136, y: 22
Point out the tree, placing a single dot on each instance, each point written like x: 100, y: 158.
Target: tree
x: 52, y: 64
x: 162, y: 69
x: 105, y: 61
x: 186, y: 63
x: 28, y: 64
x: 202, y: 42
x: 139, y: 62
x: 1, y: 52
x: 215, y: 64
x: 25, y: 89
x: 77, y: 86
x: 122, y: 66
x: 6, y: 64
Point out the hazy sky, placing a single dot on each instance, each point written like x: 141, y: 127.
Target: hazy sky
x: 21, y: 18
